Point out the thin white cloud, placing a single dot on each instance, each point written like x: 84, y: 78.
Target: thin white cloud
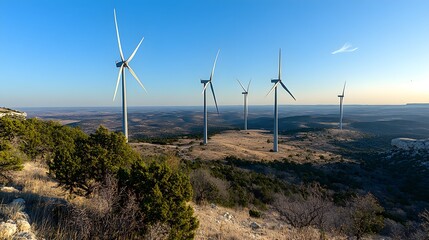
x: 345, y: 48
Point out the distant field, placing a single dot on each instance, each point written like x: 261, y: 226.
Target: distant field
x: 383, y: 121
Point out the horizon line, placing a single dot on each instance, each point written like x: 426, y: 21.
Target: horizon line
x: 226, y: 105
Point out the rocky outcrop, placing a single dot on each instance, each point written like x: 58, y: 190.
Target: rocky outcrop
x: 408, y: 144
x: 414, y: 151
x: 15, y: 223
x: 11, y: 112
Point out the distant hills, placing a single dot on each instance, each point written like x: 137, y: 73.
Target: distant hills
x: 425, y: 104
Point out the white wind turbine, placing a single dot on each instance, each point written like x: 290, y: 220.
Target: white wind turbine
x: 276, y: 115
x: 341, y: 107
x: 245, y: 93
x: 122, y: 65
x: 205, y: 84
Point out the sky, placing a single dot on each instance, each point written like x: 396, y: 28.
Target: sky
x: 62, y: 53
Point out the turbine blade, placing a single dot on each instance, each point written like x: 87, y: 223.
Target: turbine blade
x: 117, y: 35
x: 287, y: 90
x: 248, y: 86
x: 214, y: 66
x: 117, y: 82
x: 241, y: 85
x: 214, y: 97
x: 135, y: 76
x: 280, y: 63
x: 275, y: 85
x: 135, y: 50
x: 344, y: 88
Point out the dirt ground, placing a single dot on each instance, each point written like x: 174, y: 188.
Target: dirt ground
x: 256, y: 145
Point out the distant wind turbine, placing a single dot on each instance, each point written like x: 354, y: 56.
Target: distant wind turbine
x: 276, y: 115
x: 205, y: 84
x: 122, y: 65
x: 341, y: 106
x: 245, y: 93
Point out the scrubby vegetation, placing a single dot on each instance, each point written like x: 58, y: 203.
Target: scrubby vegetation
x: 112, y: 192
x: 149, y: 197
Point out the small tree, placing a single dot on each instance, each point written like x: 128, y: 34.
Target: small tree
x: 162, y: 195
x: 207, y: 188
x: 9, y: 160
x: 309, y: 208
x: 366, y: 216
x: 85, y: 162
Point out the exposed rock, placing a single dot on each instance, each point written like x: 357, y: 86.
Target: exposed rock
x: 9, y: 189
x: 23, y: 225
x: 213, y: 206
x: 18, y: 227
x: 7, y: 229
x: 408, y: 144
x: 227, y: 215
x: 255, y: 225
x: 11, y: 112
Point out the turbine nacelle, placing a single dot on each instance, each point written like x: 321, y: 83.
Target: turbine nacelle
x: 341, y: 96
x: 275, y: 80
x: 244, y: 92
x: 205, y: 81
x: 119, y: 64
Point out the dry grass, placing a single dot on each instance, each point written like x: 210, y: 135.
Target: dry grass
x: 255, y: 145
x: 215, y: 224
x: 34, y: 179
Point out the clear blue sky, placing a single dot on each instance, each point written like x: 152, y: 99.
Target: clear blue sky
x: 63, y: 53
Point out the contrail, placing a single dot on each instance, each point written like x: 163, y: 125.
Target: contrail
x: 345, y: 48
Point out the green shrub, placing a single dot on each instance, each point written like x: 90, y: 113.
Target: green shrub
x: 207, y: 188
x: 10, y: 160
x: 81, y: 164
x: 366, y: 216
x: 10, y: 127
x: 162, y: 195
x: 255, y: 213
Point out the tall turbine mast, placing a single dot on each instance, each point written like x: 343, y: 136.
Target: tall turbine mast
x: 245, y: 94
x: 122, y: 65
x: 341, y: 106
x: 205, y: 84
x: 276, y: 115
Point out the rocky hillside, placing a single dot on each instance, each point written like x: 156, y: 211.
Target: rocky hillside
x: 7, y: 111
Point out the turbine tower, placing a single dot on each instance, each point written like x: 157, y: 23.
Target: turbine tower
x: 122, y: 65
x: 245, y: 93
x: 341, y: 107
x: 276, y: 114
x: 205, y: 84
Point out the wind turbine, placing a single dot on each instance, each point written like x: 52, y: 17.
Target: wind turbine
x: 341, y: 107
x: 245, y: 93
x: 276, y: 114
x: 205, y: 84
x: 122, y: 65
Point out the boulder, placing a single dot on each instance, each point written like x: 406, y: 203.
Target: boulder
x: 255, y: 225
x: 228, y: 216
x: 23, y: 225
x: 7, y: 229
x: 9, y: 189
